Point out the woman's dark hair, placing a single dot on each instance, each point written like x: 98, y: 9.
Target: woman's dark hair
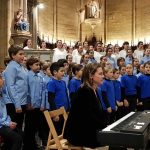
x: 88, y: 71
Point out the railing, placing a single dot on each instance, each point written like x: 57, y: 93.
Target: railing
x: 44, y: 55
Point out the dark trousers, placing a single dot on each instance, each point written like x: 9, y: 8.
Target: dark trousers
x: 119, y: 112
x: 132, y: 100
x: 59, y: 125
x: 32, y: 123
x: 16, y: 117
x: 43, y: 129
x: 12, y: 139
x: 111, y: 117
x: 146, y: 104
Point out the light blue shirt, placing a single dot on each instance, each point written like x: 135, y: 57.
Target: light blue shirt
x: 4, y: 118
x: 92, y: 60
x: 16, y: 84
x: 139, y: 74
x: 128, y: 60
x: 66, y: 79
x: 45, y: 104
x: 145, y: 59
x: 36, y: 86
x: 112, y: 61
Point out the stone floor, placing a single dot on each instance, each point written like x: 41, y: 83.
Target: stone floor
x: 104, y: 148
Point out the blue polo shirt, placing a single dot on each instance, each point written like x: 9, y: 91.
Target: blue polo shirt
x: 117, y: 88
x: 144, y: 84
x: 58, y: 87
x: 129, y: 82
x: 108, y: 87
x: 74, y: 84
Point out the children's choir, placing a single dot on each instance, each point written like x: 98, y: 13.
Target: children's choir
x: 30, y: 87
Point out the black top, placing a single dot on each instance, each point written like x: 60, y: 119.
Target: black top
x: 85, y: 118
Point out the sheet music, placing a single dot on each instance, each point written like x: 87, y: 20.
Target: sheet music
x: 117, y: 122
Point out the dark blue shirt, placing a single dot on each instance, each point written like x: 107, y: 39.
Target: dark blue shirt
x: 58, y: 87
x: 117, y: 88
x: 144, y: 84
x: 74, y: 84
x: 108, y: 87
x: 129, y: 82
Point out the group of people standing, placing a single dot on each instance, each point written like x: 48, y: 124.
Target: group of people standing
x: 93, y: 86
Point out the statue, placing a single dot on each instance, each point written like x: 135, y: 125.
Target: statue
x: 93, y: 9
x: 20, y: 22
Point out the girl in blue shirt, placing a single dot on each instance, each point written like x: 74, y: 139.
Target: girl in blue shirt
x: 109, y: 57
x: 143, y: 88
x: 146, y: 57
x: 117, y: 88
x: 108, y: 95
x: 75, y: 82
x: 129, y: 89
x: 129, y: 58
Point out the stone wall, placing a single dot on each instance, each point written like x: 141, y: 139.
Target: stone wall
x: 127, y: 20
x: 59, y: 20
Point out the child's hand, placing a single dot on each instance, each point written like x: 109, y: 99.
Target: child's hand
x: 29, y: 107
x: 42, y: 109
x: 116, y: 108
x: 126, y: 104
x: 140, y: 103
x: 119, y: 104
x: 18, y: 110
x: 13, y: 125
x: 56, y: 119
x: 109, y: 110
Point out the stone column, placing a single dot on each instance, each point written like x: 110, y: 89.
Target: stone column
x: 25, y: 8
x: 4, y: 29
x: 105, y: 21
x: 35, y: 27
x: 21, y: 4
x: 133, y: 21
x: 55, y: 30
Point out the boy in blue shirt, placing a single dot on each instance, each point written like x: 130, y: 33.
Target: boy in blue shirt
x: 129, y: 89
x: 57, y: 93
x: 13, y: 141
x: 108, y: 95
x: 64, y: 63
x: 34, y: 115
x: 75, y: 82
x: 16, y: 84
x: 143, y: 88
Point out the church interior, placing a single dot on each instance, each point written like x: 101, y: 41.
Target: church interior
x: 116, y: 22
x: 112, y: 35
